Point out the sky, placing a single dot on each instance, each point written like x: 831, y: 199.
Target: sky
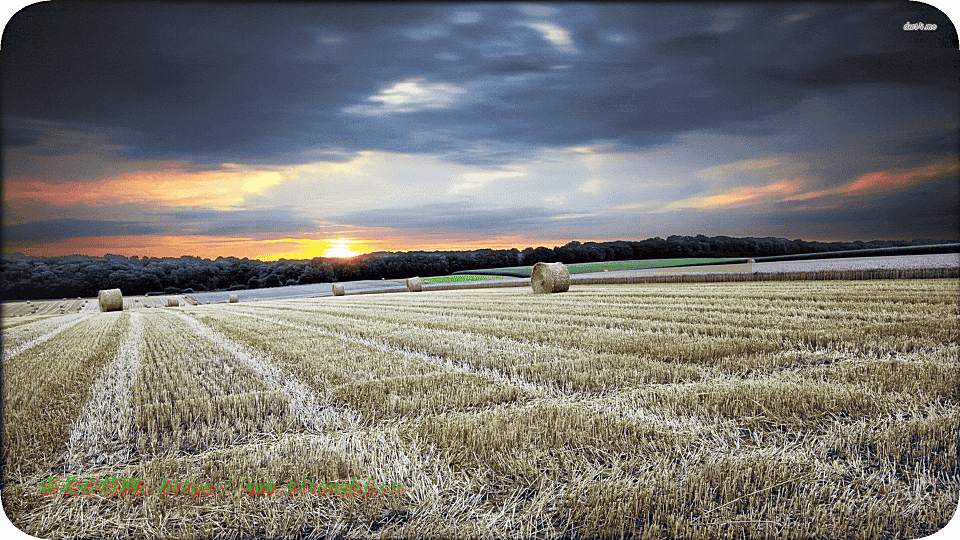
x: 296, y: 130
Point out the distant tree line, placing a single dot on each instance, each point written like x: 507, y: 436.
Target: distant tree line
x: 64, y: 277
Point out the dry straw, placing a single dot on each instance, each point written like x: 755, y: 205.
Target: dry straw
x: 878, y: 273
x: 234, y: 298
x: 338, y: 289
x: 550, y: 278
x: 414, y: 284
x: 173, y: 302
x: 110, y: 300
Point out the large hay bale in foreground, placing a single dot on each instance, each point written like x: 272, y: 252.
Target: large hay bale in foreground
x: 550, y: 278
x: 234, y: 298
x: 338, y: 289
x: 110, y: 300
x: 173, y: 302
x: 415, y: 284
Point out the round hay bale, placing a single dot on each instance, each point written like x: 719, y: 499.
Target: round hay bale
x: 550, y: 278
x: 338, y: 289
x: 414, y: 284
x: 110, y: 300
x: 234, y: 298
x: 173, y: 302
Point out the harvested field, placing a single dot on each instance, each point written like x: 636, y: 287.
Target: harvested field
x: 793, y: 409
x: 83, y: 305
x: 456, y: 282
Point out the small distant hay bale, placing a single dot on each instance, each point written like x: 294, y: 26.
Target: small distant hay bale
x: 415, y: 284
x: 338, y: 289
x: 173, y: 302
x: 550, y: 278
x: 110, y: 300
x: 234, y: 298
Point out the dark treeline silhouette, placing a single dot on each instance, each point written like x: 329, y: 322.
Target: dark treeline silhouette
x: 64, y: 277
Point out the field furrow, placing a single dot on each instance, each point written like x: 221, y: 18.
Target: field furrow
x: 46, y: 386
x: 196, y: 389
x: 103, y: 433
x: 552, y: 368
x: 310, y: 410
x: 687, y: 339
x: 18, y: 339
x: 417, y: 383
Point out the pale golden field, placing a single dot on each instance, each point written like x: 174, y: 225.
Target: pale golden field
x: 803, y: 409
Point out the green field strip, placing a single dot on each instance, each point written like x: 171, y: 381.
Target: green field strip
x: 580, y: 268
x: 44, y: 389
x: 459, y: 279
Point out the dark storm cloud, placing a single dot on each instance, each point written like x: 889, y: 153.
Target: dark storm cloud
x: 931, y: 210
x: 930, y: 145
x: 276, y: 83
x: 59, y: 229
x: 16, y: 135
x: 267, y: 223
x: 445, y: 218
x: 274, y: 222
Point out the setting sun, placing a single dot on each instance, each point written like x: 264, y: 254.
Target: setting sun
x: 340, y: 248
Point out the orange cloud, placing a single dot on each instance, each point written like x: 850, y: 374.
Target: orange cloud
x: 174, y: 187
x: 900, y: 178
x: 885, y: 182
x: 209, y: 247
x: 739, y: 196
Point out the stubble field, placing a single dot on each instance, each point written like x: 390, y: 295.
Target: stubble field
x: 709, y: 410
